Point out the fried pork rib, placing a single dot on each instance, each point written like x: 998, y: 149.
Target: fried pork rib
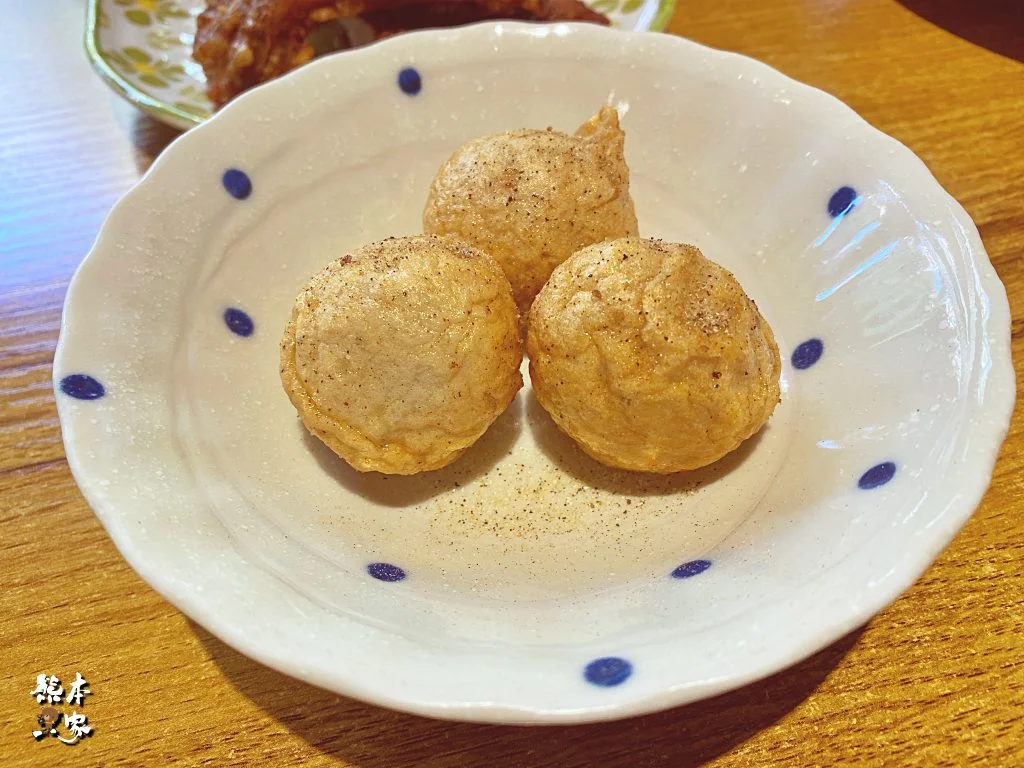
x: 242, y: 43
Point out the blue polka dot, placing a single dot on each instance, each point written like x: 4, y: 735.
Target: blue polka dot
x: 409, y: 81
x: 842, y: 200
x: 880, y: 474
x: 238, y: 322
x: 385, y: 572
x: 237, y: 183
x: 82, y: 387
x: 692, y: 568
x: 807, y: 353
x: 608, y: 671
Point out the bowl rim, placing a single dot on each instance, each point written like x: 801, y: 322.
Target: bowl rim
x: 989, y: 431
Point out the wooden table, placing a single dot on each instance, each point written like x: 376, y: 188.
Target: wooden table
x: 935, y: 680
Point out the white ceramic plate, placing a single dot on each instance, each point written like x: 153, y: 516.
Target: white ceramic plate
x: 526, y: 583
x: 143, y: 50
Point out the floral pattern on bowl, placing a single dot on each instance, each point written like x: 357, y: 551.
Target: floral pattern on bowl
x: 143, y: 50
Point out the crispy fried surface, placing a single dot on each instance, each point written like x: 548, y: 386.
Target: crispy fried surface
x: 531, y: 198
x: 242, y: 43
x: 400, y: 354
x: 651, y: 356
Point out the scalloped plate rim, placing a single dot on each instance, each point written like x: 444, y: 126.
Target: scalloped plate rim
x: 992, y: 421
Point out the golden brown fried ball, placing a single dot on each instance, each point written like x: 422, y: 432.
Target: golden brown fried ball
x: 400, y: 354
x: 533, y: 198
x: 651, y: 357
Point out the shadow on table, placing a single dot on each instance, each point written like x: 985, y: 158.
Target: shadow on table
x: 997, y: 25
x: 148, y: 137
x: 371, y: 737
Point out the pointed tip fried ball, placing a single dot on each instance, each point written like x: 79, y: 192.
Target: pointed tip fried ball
x: 400, y: 354
x: 651, y: 357
x: 532, y: 198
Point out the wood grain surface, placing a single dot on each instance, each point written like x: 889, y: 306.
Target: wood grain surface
x: 935, y: 680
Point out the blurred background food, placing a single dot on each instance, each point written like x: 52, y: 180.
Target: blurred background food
x: 242, y: 43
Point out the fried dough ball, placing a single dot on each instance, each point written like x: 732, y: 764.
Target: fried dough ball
x: 400, y: 354
x: 651, y: 357
x: 532, y: 198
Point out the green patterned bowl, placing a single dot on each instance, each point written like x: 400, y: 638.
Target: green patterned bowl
x: 143, y: 50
